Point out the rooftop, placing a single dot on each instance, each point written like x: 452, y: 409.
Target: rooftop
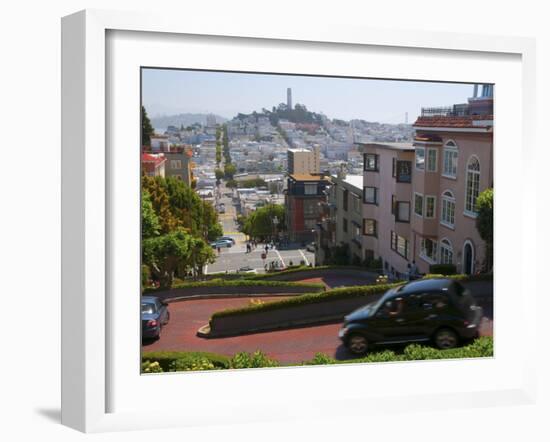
x: 309, y: 177
x: 450, y: 121
x: 354, y: 180
x: 381, y: 145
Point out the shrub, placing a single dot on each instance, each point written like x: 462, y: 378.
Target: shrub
x: 192, y: 363
x: 309, y: 298
x: 151, y: 367
x: 252, y: 360
x: 321, y: 359
x: 243, y: 282
x: 165, y: 358
x: 443, y: 269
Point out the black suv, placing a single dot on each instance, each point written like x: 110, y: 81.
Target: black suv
x: 438, y: 310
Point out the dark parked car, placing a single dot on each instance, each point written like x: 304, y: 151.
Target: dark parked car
x: 154, y: 316
x: 437, y: 310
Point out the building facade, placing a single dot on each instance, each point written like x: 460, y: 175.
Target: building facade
x: 178, y: 164
x: 304, y: 161
x: 304, y: 198
x: 387, y: 178
x: 420, y: 198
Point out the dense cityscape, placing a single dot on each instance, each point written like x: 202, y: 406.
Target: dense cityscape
x: 265, y: 209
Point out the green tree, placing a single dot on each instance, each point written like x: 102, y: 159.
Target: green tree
x: 484, y: 224
x: 201, y: 255
x: 165, y: 254
x: 156, y: 188
x: 150, y: 225
x: 146, y: 128
x: 219, y: 174
x: 229, y: 170
x: 259, y: 224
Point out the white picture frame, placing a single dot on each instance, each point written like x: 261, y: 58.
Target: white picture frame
x: 86, y: 216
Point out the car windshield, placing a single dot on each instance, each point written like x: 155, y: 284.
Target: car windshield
x: 147, y: 308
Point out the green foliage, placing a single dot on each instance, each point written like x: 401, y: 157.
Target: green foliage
x: 229, y: 170
x: 253, y: 182
x: 252, y: 360
x: 167, y: 254
x: 151, y: 367
x: 150, y: 225
x: 259, y: 224
x: 338, y: 255
x: 219, y: 174
x: 443, y: 269
x: 178, y: 206
x: 145, y: 276
x: 157, y: 362
x: 146, y: 128
x: 308, y: 298
x: 484, y: 224
x: 166, y: 358
x: 218, y: 282
x: 232, y: 184
x: 192, y: 363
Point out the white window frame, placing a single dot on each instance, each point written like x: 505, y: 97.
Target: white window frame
x: 434, y: 211
x: 416, y: 150
x: 467, y: 212
x: 426, y: 257
x: 427, y: 159
x: 446, y: 199
x: 446, y: 245
x: 421, y: 195
x: 450, y: 148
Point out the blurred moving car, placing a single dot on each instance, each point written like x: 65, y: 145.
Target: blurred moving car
x: 154, y: 316
x: 437, y: 310
x: 221, y: 243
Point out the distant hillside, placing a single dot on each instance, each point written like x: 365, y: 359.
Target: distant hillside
x: 185, y: 119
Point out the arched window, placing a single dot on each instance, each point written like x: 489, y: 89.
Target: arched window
x: 450, y: 159
x: 448, y: 205
x: 473, y: 172
x: 446, y: 252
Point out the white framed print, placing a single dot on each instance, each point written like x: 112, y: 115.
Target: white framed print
x: 348, y: 122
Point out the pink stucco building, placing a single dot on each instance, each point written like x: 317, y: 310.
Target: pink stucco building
x: 419, y: 199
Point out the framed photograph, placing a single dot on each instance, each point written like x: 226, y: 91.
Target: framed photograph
x: 282, y: 224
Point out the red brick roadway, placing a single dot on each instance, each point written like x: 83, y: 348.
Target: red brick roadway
x: 287, y: 346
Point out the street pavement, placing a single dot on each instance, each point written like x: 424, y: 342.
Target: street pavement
x: 290, y: 346
x: 233, y: 258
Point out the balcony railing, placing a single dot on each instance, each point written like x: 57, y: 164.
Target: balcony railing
x: 457, y: 110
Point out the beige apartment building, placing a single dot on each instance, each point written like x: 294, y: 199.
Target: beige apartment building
x: 304, y: 161
x: 387, y: 178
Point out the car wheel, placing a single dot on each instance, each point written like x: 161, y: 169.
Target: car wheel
x: 445, y: 338
x: 357, y: 344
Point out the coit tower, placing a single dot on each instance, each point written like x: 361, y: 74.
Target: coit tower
x: 289, y: 98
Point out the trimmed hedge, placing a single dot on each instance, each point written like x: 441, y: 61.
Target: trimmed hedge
x: 239, y: 283
x: 338, y: 293
x: 310, y: 298
x: 157, y: 362
x: 301, y: 268
x: 480, y: 348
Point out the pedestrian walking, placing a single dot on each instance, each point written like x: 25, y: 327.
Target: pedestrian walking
x: 266, y: 249
x: 219, y: 250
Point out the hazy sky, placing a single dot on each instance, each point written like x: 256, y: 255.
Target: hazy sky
x: 167, y: 92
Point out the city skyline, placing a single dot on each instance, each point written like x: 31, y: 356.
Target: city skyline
x: 174, y: 91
